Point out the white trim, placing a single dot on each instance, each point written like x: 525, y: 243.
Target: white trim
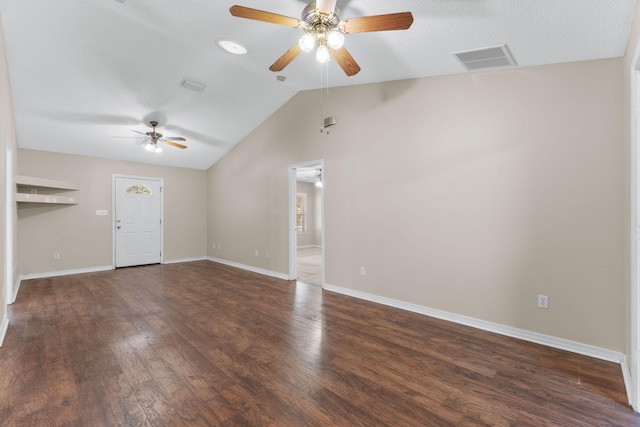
x: 9, y: 222
x: 309, y: 246
x: 547, y: 340
x: 628, y: 380
x: 179, y: 260
x: 250, y: 268
x: 16, y: 288
x: 65, y: 272
x: 3, y: 328
x: 633, y: 380
x: 293, y: 234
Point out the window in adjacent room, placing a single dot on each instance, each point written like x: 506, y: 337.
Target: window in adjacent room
x: 301, y: 211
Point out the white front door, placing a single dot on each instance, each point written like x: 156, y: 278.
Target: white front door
x: 137, y: 216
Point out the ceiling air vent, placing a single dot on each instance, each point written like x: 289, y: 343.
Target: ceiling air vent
x: 194, y: 86
x: 485, y: 58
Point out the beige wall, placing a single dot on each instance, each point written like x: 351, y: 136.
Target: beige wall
x: 470, y: 194
x: 83, y: 239
x: 7, y: 136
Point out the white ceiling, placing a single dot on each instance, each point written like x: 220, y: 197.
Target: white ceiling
x: 85, y: 71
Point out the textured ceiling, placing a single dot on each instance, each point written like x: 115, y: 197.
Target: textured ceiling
x: 85, y: 71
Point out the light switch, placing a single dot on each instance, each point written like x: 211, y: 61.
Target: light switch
x: 101, y: 212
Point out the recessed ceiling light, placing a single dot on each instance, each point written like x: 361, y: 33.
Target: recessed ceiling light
x: 233, y: 46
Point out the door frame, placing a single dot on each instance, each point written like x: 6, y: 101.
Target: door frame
x: 633, y: 370
x: 293, y: 236
x: 113, y: 213
x: 9, y: 223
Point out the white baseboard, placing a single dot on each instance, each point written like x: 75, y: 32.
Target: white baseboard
x: 250, y: 268
x: 549, y: 341
x: 179, y: 260
x: 65, y: 272
x: 3, y: 328
x: 16, y: 288
x: 626, y: 376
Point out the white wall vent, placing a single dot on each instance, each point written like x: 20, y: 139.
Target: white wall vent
x: 486, y: 57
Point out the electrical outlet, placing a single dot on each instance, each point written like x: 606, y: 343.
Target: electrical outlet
x: 543, y: 301
x: 362, y: 271
x: 257, y: 253
x: 56, y: 255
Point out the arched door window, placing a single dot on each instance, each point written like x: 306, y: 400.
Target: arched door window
x: 139, y: 189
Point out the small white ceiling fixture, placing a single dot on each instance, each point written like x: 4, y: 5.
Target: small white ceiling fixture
x: 486, y: 57
x: 193, y: 85
x: 233, y: 46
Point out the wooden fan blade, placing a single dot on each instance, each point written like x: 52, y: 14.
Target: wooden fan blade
x: 175, y: 138
x: 326, y: 7
x: 286, y: 59
x: 175, y: 144
x: 392, y: 21
x: 346, y: 61
x: 260, y: 15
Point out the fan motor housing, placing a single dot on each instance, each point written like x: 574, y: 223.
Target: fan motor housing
x: 318, y: 22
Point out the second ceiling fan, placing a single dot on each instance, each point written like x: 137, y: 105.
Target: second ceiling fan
x: 325, y: 31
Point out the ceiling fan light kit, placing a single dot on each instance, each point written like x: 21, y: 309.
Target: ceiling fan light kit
x: 322, y: 54
x: 325, y: 31
x: 152, y: 146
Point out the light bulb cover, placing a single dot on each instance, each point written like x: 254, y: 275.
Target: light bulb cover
x: 148, y: 146
x: 157, y: 148
x: 307, y: 42
x: 232, y: 46
x: 322, y: 54
x: 335, y: 39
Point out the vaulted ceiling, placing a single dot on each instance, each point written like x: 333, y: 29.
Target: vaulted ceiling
x: 86, y: 73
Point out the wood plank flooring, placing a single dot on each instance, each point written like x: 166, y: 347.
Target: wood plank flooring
x: 203, y: 344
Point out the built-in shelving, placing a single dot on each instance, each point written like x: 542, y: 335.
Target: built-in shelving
x: 30, y: 189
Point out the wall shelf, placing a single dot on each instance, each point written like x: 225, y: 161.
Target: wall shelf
x: 30, y: 189
x: 30, y: 181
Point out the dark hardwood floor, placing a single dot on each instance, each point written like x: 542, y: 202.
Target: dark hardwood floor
x: 205, y: 344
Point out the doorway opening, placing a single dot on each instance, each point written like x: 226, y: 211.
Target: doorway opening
x: 306, y: 219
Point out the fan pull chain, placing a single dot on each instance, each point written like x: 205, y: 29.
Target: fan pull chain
x: 324, y: 95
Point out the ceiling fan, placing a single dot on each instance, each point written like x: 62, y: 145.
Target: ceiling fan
x: 154, y: 137
x: 323, y: 28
